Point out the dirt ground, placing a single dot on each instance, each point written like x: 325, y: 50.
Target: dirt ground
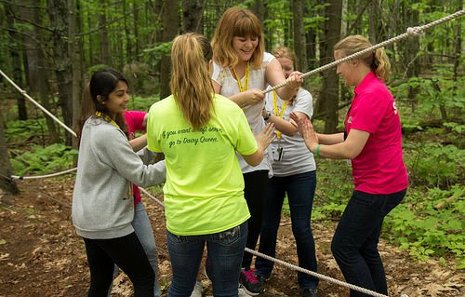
x: 40, y: 254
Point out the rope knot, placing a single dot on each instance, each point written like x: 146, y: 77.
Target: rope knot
x: 414, y: 31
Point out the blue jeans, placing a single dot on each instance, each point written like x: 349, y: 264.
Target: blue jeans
x: 355, y: 243
x: 143, y: 230
x: 225, y: 251
x: 300, y: 189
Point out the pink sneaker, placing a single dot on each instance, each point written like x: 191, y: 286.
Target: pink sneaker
x: 250, y: 282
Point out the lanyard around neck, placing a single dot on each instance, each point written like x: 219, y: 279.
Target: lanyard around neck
x: 245, y: 87
x: 106, y: 118
x: 277, y: 112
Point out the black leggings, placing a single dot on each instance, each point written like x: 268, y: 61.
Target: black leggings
x: 128, y: 254
x: 256, y: 183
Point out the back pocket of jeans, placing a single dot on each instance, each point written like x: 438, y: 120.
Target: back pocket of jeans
x: 229, y: 237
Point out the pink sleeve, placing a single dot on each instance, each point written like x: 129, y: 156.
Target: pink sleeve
x: 135, y: 120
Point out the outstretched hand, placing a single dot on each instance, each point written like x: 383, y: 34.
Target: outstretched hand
x: 306, y: 130
x: 265, y: 137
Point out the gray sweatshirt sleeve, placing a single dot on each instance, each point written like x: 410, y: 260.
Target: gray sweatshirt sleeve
x: 113, y: 148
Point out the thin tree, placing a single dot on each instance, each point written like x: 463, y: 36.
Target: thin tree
x: 59, y: 21
x: 170, y: 21
x: 327, y: 103
x: 36, y: 66
x: 192, y: 11
x: 299, y: 34
x: 6, y: 183
x: 15, y: 47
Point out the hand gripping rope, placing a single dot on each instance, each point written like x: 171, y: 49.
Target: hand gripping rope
x: 411, y: 31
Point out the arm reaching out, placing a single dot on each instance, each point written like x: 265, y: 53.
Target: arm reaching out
x: 264, y: 138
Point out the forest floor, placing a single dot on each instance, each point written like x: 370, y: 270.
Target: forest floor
x: 40, y: 254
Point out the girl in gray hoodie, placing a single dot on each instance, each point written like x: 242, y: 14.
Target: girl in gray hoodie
x: 103, y: 206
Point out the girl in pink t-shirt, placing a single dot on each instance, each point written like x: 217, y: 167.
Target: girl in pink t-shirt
x: 372, y: 139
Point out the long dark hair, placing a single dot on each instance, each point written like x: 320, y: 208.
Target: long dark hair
x: 101, y: 84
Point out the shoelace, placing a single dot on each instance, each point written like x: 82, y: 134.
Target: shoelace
x: 250, y: 276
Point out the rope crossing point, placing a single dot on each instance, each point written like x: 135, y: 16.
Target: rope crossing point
x: 411, y: 31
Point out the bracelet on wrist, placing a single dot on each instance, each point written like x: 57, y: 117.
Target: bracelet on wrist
x: 317, y: 151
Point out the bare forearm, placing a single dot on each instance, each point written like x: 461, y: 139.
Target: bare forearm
x: 334, y: 151
x: 138, y: 143
x: 330, y: 138
x: 282, y: 125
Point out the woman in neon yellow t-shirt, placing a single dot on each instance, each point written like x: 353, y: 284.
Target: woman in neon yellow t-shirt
x: 200, y: 132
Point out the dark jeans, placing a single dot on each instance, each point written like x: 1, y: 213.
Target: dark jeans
x: 300, y: 190
x: 355, y: 243
x: 254, y: 192
x: 128, y: 254
x: 225, y: 251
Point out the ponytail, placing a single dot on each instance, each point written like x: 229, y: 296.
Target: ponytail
x: 190, y: 83
x: 383, y: 67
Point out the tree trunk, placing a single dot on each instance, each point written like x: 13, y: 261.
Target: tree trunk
x: 329, y: 92
x: 6, y: 183
x: 38, y: 84
x: 259, y: 9
x: 375, y: 24
x: 170, y: 18
x: 299, y: 35
x: 105, y: 57
x: 59, y: 18
x: 75, y: 50
x: 15, y: 60
x: 192, y: 11
x: 410, y: 53
x: 458, y: 41
x: 137, y: 42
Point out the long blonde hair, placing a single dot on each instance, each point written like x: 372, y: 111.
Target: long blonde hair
x: 376, y: 60
x: 190, y: 83
x: 237, y: 22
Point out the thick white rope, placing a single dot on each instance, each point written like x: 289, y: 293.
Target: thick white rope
x: 37, y: 104
x: 314, y: 274
x: 294, y: 267
x: 151, y: 196
x: 411, y: 31
x: 45, y: 176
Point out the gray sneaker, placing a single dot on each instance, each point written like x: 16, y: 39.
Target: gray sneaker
x: 308, y: 292
x: 198, y: 289
x: 242, y: 292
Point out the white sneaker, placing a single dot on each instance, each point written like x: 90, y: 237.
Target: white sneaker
x: 198, y: 289
x: 242, y: 292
